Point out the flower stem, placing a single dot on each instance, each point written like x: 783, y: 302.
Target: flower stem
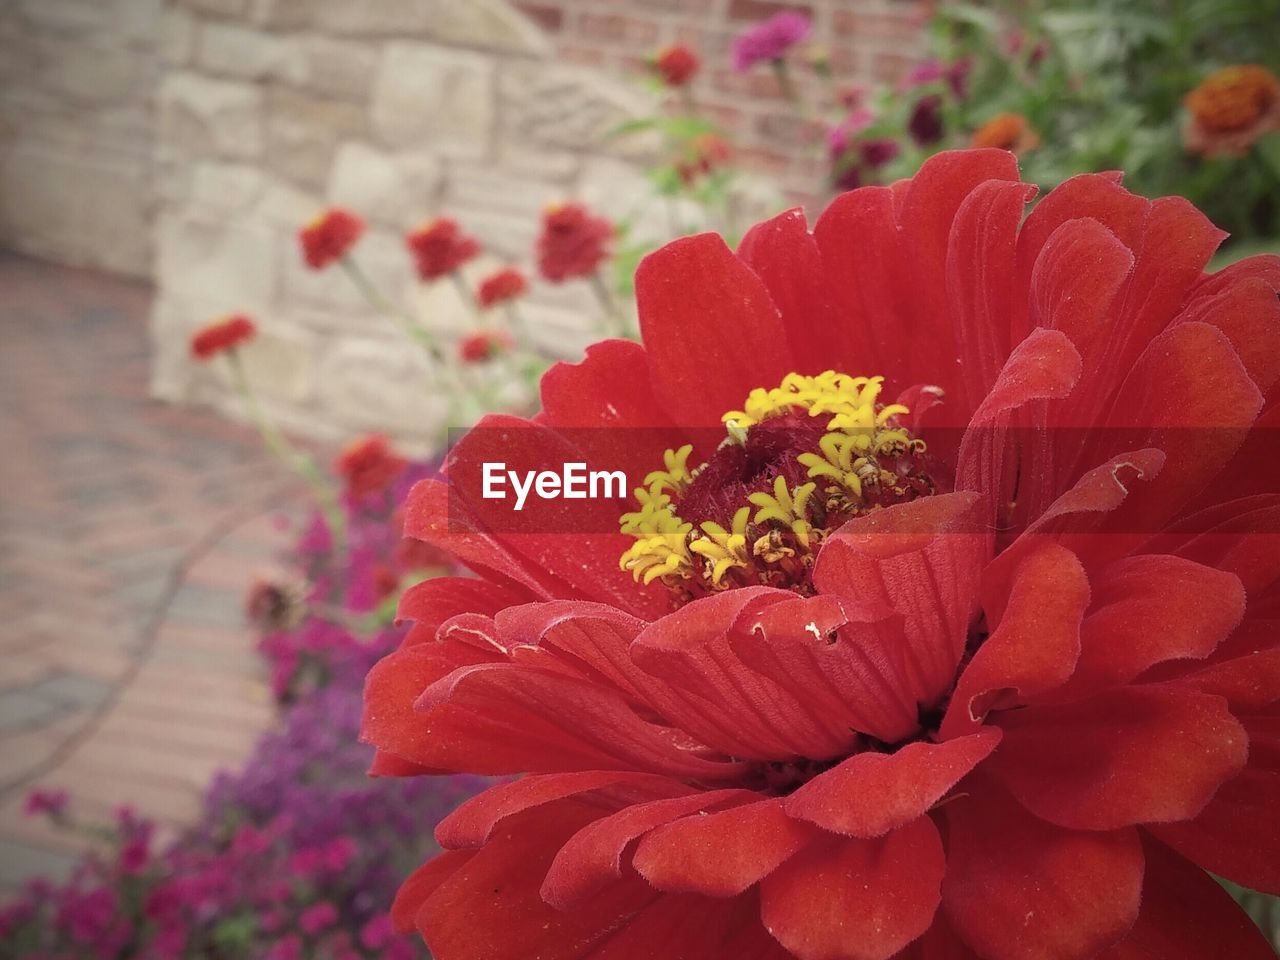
x: 292, y: 459
x: 465, y: 294
x: 617, y: 322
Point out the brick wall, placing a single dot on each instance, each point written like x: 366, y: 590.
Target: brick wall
x: 869, y: 41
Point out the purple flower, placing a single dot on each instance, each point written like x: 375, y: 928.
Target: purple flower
x: 52, y: 803
x: 318, y: 918
x: 925, y: 124
x: 770, y: 40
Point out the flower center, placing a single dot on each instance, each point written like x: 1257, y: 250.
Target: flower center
x: 798, y: 461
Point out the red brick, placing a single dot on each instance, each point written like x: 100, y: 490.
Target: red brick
x: 617, y: 28
x: 550, y: 18
x: 763, y: 9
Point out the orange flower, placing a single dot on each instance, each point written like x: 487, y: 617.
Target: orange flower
x: 222, y: 335
x: 439, y: 247
x: 506, y: 284
x: 482, y: 346
x: 675, y: 64
x: 1006, y: 131
x: 1231, y: 109
x: 329, y: 236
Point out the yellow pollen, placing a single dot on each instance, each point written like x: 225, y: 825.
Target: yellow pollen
x: 774, y: 536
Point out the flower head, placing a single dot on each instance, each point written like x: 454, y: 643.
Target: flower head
x: 1006, y: 131
x: 502, y: 286
x: 329, y: 237
x: 925, y: 124
x: 946, y: 630
x: 573, y: 243
x: 770, y: 40
x: 222, y: 336
x: 369, y: 465
x: 483, y: 346
x: 1231, y: 109
x: 49, y: 803
x: 676, y: 65
x: 439, y: 247
x: 707, y: 153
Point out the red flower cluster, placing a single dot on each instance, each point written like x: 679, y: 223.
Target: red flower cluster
x: 483, y: 346
x: 573, y: 242
x: 369, y: 466
x: 919, y: 679
x: 440, y: 247
x: 222, y: 335
x: 329, y: 236
x: 676, y: 64
x: 706, y: 154
x: 501, y: 286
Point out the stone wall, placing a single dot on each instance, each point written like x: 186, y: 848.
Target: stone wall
x: 76, y: 85
x: 269, y: 110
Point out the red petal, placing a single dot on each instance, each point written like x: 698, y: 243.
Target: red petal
x: 748, y: 714
x: 979, y: 282
x: 848, y: 665
x: 1149, y: 609
x: 1034, y: 645
x: 1075, y: 279
x: 872, y: 793
x: 720, y: 854
x: 1249, y: 314
x: 490, y: 909
x: 695, y: 928
x: 1145, y: 754
x: 507, y: 718
x: 423, y: 882
x: 856, y: 899
x: 786, y: 257
x: 592, y: 858
x: 1238, y: 834
x: 393, y: 685
x: 858, y: 237
x: 471, y: 824
x: 1187, y: 916
x: 710, y: 328
x: 914, y: 560
x: 1018, y: 887
x: 437, y: 599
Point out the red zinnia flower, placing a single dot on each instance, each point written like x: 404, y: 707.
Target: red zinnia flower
x: 482, y: 346
x: 329, y: 236
x: 573, y: 243
x: 704, y: 155
x: 222, y: 335
x: 675, y: 64
x: 506, y: 284
x: 866, y: 688
x: 369, y: 466
x: 440, y: 247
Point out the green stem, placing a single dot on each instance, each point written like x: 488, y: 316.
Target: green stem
x: 294, y: 460
x: 388, y: 309
x: 617, y: 323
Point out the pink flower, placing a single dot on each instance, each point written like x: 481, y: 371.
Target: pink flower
x: 318, y: 918
x: 51, y: 803
x: 770, y: 40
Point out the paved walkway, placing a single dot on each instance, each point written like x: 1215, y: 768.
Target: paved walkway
x: 128, y: 533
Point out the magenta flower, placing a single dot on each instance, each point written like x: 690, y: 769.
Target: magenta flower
x: 318, y: 918
x: 770, y: 40
x: 48, y: 802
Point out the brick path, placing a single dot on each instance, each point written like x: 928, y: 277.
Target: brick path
x: 128, y: 532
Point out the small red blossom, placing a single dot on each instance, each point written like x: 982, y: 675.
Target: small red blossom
x: 222, y: 336
x: 369, y: 465
x: 483, y: 345
x: 895, y: 662
x: 706, y: 154
x: 440, y: 247
x: 574, y: 242
x: 329, y: 237
x: 676, y: 64
x: 501, y: 286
